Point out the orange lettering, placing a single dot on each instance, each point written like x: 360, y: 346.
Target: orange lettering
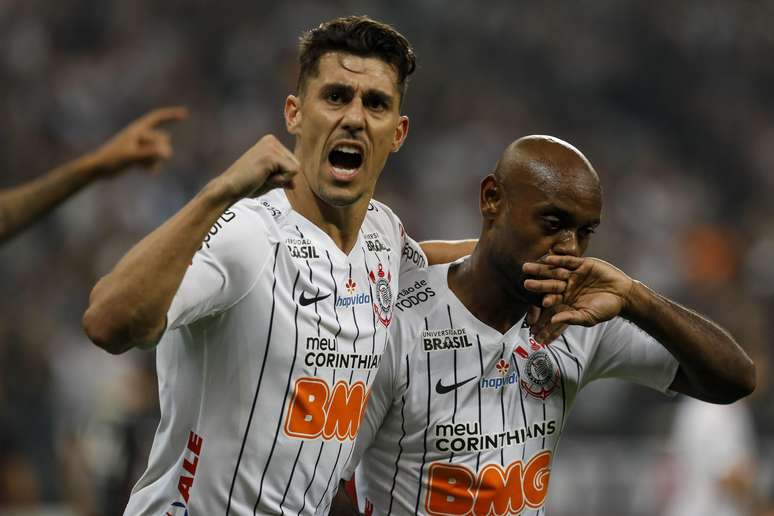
x: 497, y: 492
x: 449, y: 489
x: 312, y: 412
x: 306, y: 413
x: 454, y: 490
x: 536, y: 476
x: 344, y: 411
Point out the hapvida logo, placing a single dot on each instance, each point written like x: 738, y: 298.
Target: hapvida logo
x: 358, y: 299
x: 498, y: 382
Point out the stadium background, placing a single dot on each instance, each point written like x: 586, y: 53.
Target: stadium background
x: 671, y: 102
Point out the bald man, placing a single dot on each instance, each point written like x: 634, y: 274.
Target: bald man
x: 467, y: 407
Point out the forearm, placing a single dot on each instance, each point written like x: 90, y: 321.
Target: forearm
x: 713, y: 367
x: 128, y: 307
x: 446, y: 251
x: 24, y: 204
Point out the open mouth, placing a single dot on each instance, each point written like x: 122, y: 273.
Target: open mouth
x: 345, y: 159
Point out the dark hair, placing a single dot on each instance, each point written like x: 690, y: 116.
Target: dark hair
x: 358, y: 35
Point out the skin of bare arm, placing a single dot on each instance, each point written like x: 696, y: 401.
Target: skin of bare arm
x: 713, y: 367
x: 139, y: 143
x: 127, y: 307
x: 446, y: 251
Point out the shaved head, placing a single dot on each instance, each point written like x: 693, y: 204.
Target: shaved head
x: 547, y: 163
x: 544, y: 197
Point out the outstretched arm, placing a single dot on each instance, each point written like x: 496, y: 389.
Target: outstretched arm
x: 713, y: 367
x: 446, y: 251
x: 128, y: 307
x: 139, y: 143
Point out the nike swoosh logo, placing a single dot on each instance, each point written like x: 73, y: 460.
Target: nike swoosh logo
x: 443, y: 389
x: 306, y: 301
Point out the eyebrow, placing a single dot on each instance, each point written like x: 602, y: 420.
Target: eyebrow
x: 381, y: 95
x: 564, y: 215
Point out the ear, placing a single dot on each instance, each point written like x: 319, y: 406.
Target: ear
x: 401, y: 131
x: 293, y: 114
x: 491, y: 197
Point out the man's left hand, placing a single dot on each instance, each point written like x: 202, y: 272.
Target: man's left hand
x: 584, y: 291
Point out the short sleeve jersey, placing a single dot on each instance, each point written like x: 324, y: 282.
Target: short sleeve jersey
x: 465, y: 420
x: 273, y: 340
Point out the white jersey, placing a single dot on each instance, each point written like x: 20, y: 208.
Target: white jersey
x: 465, y: 420
x: 701, y: 463
x: 274, y: 338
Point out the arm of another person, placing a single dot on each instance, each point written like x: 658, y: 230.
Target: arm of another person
x: 139, y: 143
x: 446, y: 251
x: 128, y: 307
x: 713, y: 367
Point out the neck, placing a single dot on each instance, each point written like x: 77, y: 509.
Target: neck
x: 341, y: 223
x: 482, y: 290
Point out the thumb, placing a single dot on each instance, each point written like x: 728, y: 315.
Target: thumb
x: 280, y: 179
x: 575, y: 317
x: 533, y: 314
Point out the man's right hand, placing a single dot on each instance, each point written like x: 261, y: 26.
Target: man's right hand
x: 142, y: 142
x: 266, y: 165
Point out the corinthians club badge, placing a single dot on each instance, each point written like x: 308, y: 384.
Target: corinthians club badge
x: 540, y: 375
x: 383, y: 297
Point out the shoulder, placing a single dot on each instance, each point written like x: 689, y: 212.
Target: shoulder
x: 380, y: 217
x: 243, y: 233
x: 273, y: 206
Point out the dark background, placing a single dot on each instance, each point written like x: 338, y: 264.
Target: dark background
x: 671, y: 101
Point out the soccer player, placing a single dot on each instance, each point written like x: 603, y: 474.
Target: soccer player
x: 270, y: 306
x: 142, y: 142
x: 467, y: 408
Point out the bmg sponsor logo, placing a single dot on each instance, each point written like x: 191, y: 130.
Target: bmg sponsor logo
x: 455, y: 489
x: 317, y: 410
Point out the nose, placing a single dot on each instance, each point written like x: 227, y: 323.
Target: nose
x: 354, y: 117
x: 566, y: 244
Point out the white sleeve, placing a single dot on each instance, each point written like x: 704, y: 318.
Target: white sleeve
x: 380, y: 400
x: 412, y: 257
x: 224, y: 269
x: 625, y: 351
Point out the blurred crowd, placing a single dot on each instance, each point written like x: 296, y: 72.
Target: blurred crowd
x: 670, y: 101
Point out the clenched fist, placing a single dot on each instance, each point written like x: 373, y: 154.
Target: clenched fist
x: 266, y: 165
